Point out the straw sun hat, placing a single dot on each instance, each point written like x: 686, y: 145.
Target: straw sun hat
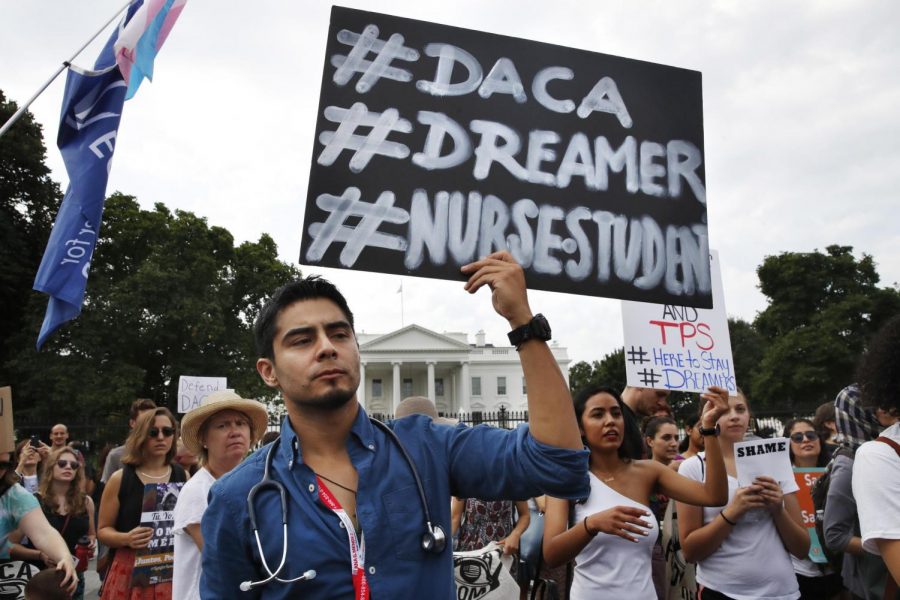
x: 217, y: 402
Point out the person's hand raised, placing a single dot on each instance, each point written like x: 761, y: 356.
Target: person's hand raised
x: 506, y: 279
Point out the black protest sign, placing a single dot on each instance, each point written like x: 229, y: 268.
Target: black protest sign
x: 437, y: 145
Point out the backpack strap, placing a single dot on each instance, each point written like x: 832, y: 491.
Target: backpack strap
x: 890, y: 443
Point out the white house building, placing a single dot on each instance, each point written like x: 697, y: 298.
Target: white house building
x: 457, y: 375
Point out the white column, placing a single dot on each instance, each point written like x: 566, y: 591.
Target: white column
x: 465, y: 389
x: 396, y: 387
x: 454, y: 392
x: 431, y: 392
x: 361, y: 390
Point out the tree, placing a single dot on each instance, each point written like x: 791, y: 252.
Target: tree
x: 823, y: 307
x: 747, y: 347
x: 28, y: 201
x: 168, y: 295
x: 610, y: 371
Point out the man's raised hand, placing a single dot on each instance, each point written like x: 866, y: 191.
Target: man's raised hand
x: 505, y: 277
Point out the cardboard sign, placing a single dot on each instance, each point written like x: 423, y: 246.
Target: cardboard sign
x: 765, y: 457
x: 679, y: 347
x: 14, y: 576
x: 437, y: 145
x: 680, y: 582
x: 7, y: 434
x: 806, y: 477
x: 192, y: 390
x: 484, y: 574
x: 153, y: 564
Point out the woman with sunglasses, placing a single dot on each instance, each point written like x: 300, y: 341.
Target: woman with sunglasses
x: 148, y: 455
x: 68, y: 509
x: 19, y: 510
x: 807, y: 451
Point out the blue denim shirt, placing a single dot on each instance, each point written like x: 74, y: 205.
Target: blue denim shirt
x: 479, y: 462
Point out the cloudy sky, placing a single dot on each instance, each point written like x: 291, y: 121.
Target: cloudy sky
x: 800, y: 114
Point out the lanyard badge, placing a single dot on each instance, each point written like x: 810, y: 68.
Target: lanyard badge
x: 357, y: 547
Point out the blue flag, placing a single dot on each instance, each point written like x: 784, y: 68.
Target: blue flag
x: 91, y: 109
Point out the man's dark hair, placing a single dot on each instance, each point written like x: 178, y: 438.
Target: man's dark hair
x: 308, y: 288
x: 878, y: 376
x: 824, y: 413
x: 45, y: 586
x: 140, y: 405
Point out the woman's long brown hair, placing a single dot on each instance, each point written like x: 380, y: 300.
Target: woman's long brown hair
x: 75, y: 497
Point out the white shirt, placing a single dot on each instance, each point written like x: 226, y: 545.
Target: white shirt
x: 189, y: 510
x: 30, y: 483
x: 752, y: 562
x: 876, y: 488
x: 610, y: 566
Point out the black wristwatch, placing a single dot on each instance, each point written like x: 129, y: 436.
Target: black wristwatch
x: 705, y: 431
x: 537, y: 328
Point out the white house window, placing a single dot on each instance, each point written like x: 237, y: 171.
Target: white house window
x: 476, y: 386
x: 439, y: 387
x: 501, y: 386
x: 406, y: 389
x: 376, y: 388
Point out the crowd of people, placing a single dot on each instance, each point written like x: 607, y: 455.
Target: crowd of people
x: 339, y: 505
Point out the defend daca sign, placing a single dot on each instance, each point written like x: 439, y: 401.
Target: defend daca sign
x: 437, y: 145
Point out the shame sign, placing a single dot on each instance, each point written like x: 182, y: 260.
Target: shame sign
x: 766, y: 448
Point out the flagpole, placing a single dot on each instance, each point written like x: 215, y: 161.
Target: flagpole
x: 402, y: 322
x: 62, y: 68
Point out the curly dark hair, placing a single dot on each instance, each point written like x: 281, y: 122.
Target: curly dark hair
x: 878, y: 375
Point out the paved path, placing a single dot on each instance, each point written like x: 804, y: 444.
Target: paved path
x: 91, y: 582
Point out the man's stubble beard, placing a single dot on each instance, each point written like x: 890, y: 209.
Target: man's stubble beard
x: 330, y: 402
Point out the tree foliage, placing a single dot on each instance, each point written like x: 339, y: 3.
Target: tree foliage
x: 610, y: 371
x: 823, y: 307
x: 747, y: 346
x: 168, y: 295
x: 28, y: 200
x: 803, y: 348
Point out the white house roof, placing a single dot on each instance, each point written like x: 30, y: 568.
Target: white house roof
x: 411, y: 338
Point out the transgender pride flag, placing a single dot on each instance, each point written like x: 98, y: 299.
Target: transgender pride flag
x: 142, y: 38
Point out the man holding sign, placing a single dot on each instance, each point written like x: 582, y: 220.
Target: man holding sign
x: 367, y: 505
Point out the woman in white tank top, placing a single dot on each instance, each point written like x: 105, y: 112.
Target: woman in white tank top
x: 613, y: 532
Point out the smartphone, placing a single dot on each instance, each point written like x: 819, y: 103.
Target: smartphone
x: 35, y: 441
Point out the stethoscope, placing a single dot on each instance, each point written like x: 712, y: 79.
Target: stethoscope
x: 433, y: 540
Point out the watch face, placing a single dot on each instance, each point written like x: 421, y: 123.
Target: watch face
x: 541, y: 327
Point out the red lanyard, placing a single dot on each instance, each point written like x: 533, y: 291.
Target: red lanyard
x: 357, y: 548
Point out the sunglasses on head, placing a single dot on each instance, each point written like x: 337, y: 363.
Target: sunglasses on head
x: 72, y: 464
x: 797, y: 438
x: 166, y: 431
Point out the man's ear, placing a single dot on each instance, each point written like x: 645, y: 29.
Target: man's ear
x: 266, y: 369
